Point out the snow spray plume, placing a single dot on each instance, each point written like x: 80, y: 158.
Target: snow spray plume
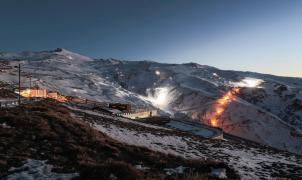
x: 161, y: 97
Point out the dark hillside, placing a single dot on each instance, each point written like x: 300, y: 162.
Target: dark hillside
x: 46, y: 131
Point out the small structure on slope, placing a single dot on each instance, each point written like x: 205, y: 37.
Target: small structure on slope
x: 37, y: 92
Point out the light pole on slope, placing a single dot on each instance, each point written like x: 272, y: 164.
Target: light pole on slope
x: 19, y: 97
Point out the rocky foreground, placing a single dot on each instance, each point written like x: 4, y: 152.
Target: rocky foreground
x: 47, y: 140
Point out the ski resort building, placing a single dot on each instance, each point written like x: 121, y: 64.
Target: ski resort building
x: 121, y: 107
x: 56, y: 96
x: 37, y: 92
x: 140, y: 114
x: 34, y: 92
x: 41, y: 93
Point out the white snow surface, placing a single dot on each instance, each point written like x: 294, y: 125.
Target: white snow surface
x: 219, y: 173
x: 193, y: 128
x: 271, y: 114
x: 117, y: 118
x: 177, y: 170
x: 37, y: 170
x: 249, y: 162
x: 5, y: 126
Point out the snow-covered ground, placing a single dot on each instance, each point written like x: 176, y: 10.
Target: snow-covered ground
x: 251, y: 162
x: 194, y: 128
x: 37, y: 170
x: 271, y: 114
x: 115, y: 118
x: 5, y: 126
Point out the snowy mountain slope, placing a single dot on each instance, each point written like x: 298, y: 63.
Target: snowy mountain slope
x: 280, y: 99
x: 195, y: 88
x: 42, y: 55
x: 269, y: 114
x: 69, y: 74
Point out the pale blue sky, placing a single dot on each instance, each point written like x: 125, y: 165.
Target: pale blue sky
x: 257, y: 35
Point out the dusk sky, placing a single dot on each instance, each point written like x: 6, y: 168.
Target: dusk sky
x: 257, y: 35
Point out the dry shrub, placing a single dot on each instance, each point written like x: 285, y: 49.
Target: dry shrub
x: 37, y: 108
x: 119, y: 169
x: 71, y: 145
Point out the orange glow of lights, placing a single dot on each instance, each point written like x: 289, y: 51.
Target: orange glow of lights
x: 221, y: 105
x: 219, y: 110
x: 214, y: 122
x: 42, y: 93
x: 225, y: 98
x: 221, y: 102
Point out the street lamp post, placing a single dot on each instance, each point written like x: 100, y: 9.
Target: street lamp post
x: 19, y: 97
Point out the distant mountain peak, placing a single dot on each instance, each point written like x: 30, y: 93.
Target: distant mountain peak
x: 58, y: 50
x: 42, y: 55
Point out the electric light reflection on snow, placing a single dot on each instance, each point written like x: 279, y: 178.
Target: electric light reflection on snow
x: 159, y: 97
x: 248, y: 82
x: 162, y: 97
x: 220, y: 106
x: 222, y: 103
